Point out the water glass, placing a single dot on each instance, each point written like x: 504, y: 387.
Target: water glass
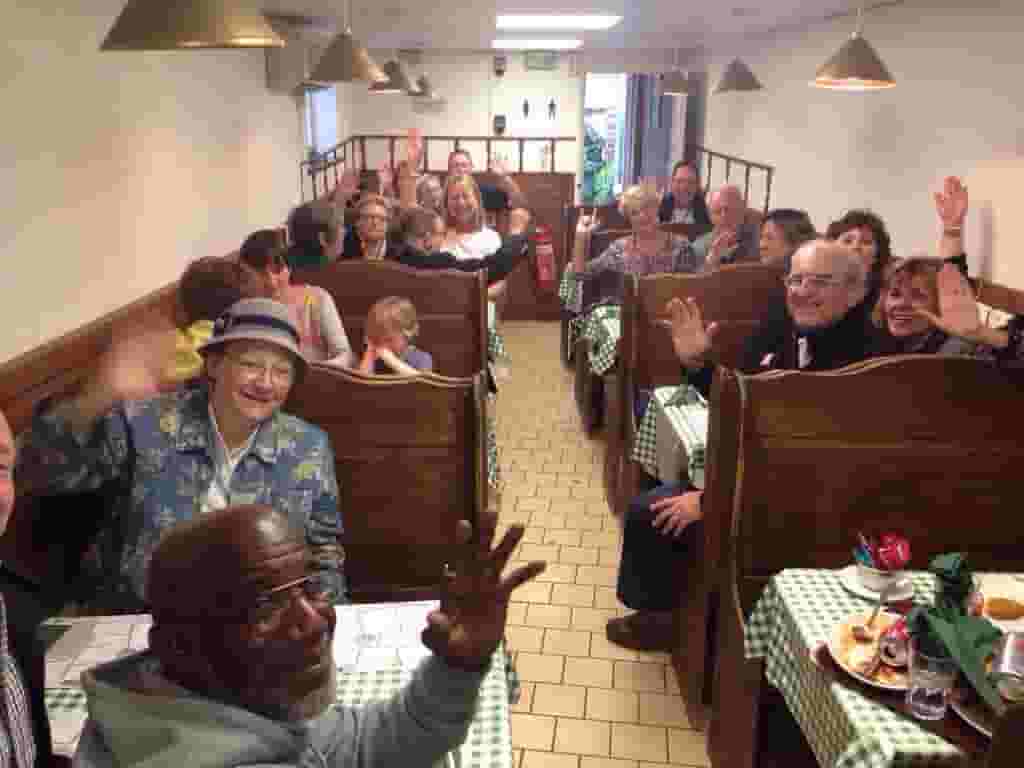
x: 931, y: 681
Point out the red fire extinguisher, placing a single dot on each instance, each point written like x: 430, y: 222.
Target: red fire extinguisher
x: 543, y: 259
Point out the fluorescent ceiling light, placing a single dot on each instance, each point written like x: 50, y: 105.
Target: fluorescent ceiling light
x: 586, y: 22
x: 537, y: 45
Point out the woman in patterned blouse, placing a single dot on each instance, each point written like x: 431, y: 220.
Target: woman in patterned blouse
x: 646, y: 251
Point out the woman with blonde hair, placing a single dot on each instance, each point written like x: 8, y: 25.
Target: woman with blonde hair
x: 646, y: 251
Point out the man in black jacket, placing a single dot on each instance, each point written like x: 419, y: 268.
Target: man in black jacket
x: 825, y: 325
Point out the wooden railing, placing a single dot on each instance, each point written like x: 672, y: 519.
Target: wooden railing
x: 706, y: 158
x: 318, y: 174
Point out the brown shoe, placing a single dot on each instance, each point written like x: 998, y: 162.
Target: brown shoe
x: 642, y: 631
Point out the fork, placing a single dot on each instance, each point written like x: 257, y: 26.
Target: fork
x: 862, y: 632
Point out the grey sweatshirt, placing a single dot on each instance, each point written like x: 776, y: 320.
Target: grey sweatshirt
x: 130, y: 725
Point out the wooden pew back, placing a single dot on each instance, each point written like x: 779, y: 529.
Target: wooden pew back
x: 925, y: 445
x: 451, y: 307
x: 409, y: 454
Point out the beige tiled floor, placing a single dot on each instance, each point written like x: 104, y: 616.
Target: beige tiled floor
x: 586, y: 703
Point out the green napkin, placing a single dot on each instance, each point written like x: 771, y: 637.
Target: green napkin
x: 945, y: 628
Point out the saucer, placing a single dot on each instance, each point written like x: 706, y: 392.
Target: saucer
x: 851, y: 583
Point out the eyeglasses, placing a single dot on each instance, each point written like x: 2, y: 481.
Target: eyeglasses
x: 272, y: 603
x: 252, y: 370
x: 817, y: 282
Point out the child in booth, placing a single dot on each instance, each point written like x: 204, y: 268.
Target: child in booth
x: 206, y: 289
x: 391, y: 328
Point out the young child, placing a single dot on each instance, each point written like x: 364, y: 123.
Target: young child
x: 391, y: 328
x: 207, y: 288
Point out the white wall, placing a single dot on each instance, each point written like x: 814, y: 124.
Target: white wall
x: 120, y: 167
x: 957, y: 109
x: 474, y: 95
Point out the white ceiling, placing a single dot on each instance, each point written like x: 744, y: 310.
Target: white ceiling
x: 685, y: 25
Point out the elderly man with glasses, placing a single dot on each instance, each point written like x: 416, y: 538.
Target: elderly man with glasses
x: 825, y: 324
x: 186, y: 453
x: 240, y: 669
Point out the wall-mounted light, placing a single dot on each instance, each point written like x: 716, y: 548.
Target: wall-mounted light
x: 159, y: 25
x: 855, y: 66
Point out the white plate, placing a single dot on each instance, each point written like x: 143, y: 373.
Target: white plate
x: 1002, y: 585
x: 839, y: 640
x: 851, y: 583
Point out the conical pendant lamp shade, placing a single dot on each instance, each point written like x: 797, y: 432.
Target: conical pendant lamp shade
x: 673, y: 83
x: 159, y: 25
x: 397, y: 81
x: 738, y: 77
x: 854, y: 67
x: 344, y: 61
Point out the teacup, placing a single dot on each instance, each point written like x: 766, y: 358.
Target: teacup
x: 876, y: 580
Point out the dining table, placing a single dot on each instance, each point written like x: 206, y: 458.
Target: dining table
x: 671, y: 439
x: 849, y: 724
x: 376, y: 648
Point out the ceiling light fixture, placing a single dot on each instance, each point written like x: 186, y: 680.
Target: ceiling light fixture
x: 536, y: 45
x: 855, y: 66
x: 582, y: 22
x: 158, y: 25
x: 346, y: 60
x: 738, y: 77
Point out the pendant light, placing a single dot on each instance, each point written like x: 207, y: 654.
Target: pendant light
x: 855, y: 66
x: 673, y: 82
x: 159, y: 25
x: 738, y: 77
x: 346, y: 60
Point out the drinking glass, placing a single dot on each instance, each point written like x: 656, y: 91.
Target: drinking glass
x: 931, y: 680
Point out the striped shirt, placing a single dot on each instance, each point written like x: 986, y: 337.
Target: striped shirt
x: 17, y: 744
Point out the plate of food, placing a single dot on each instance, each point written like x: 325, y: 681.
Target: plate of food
x: 850, y: 578
x: 858, y: 657
x: 1003, y: 601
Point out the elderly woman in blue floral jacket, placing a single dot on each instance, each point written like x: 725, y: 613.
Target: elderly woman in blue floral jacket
x: 183, y: 454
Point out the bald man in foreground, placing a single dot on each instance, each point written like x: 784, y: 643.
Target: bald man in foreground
x: 240, y: 670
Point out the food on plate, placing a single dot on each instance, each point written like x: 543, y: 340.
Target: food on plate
x: 1003, y: 608
x: 861, y: 657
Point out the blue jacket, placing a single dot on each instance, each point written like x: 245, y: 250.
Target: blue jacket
x: 162, y: 452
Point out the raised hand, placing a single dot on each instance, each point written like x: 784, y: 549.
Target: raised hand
x: 347, y: 187
x: 414, y: 149
x: 951, y: 203
x: 675, y: 513
x: 135, y: 366
x: 386, y: 178
x: 470, y: 624
x: 691, y: 339
x: 720, y: 245
x: 587, y: 223
x: 958, y: 309
x: 498, y: 166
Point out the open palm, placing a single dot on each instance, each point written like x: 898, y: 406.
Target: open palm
x: 958, y: 309
x: 470, y: 624
x: 691, y: 339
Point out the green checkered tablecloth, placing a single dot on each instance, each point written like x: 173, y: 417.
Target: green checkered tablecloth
x: 495, y: 344
x: 569, y: 290
x: 488, y: 745
x: 493, y: 463
x: 602, y: 329
x: 673, y: 435
x: 797, y: 613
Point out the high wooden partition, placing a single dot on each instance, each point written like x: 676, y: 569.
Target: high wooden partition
x: 451, y: 307
x: 929, y: 445
x: 735, y: 296
x: 409, y: 455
